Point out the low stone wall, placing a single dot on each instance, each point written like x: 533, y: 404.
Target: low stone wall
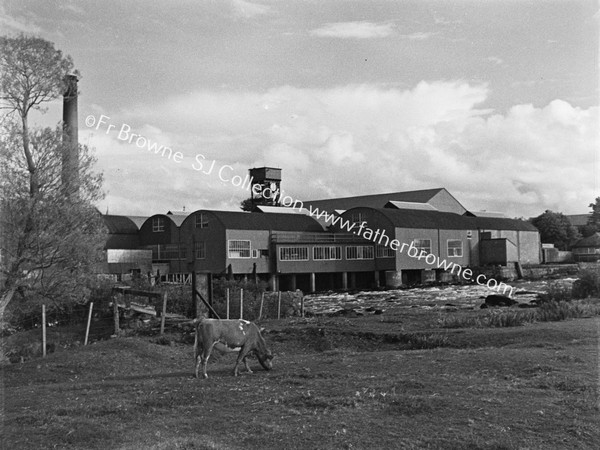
x: 509, y: 273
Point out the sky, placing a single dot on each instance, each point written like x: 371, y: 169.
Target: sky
x: 497, y: 101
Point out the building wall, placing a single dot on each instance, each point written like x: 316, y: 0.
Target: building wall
x: 529, y: 247
x: 259, y: 240
x: 213, y: 237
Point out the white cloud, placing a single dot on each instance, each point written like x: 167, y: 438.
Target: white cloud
x: 495, y: 60
x: 354, y: 30
x: 18, y: 24
x: 361, y: 139
x: 418, y: 36
x: 248, y: 10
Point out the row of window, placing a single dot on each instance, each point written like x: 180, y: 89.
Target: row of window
x: 175, y: 251
x: 239, y: 249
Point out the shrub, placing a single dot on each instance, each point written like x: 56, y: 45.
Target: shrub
x: 588, y: 284
x: 556, y: 292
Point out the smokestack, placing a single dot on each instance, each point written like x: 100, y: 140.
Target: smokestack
x: 70, y: 159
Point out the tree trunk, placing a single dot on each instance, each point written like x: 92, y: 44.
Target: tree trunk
x: 34, y: 185
x: 7, y: 295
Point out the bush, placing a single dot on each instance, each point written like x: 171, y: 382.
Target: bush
x: 556, y: 292
x: 588, y: 284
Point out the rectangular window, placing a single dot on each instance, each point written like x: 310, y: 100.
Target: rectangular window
x: 358, y: 218
x: 321, y: 253
x: 201, y: 221
x: 238, y: 249
x: 422, y: 245
x: 293, y: 253
x: 254, y: 253
x: 383, y: 251
x: 200, y: 250
x: 169, y: 251
x: 455, y: 248
x: 264, y: 252
x: 359, y: 252
x: 158, y: 224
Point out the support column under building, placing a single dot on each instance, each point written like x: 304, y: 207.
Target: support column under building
x: 352, y: 280
x: 313, y: 283
x: 376, y: 277
x: 274, y: 282
x: 345, y: 281
x: 393, y: 279
x: 293, y: 282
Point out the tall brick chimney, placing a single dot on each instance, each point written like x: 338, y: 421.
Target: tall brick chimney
x: 70, y: 157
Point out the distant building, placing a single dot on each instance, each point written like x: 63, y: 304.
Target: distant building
x: 587, y: 249
x: 579, y: 220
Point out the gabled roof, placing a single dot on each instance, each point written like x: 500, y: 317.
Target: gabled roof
x: 590, y: 241
x: 240, y: 220
x: 375, y: 200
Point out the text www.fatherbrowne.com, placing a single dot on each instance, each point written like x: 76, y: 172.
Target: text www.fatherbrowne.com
x: 379, y: 237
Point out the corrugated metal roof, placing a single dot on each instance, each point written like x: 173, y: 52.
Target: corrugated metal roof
x: 590, y: 241
x: 407, y: 218
x: 239, y: 220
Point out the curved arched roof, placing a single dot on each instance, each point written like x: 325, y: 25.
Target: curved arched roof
x: 240, y: 220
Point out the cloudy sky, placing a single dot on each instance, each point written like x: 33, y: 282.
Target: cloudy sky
x: 497, y: 101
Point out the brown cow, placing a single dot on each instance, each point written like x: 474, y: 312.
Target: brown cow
x: 230, y: 335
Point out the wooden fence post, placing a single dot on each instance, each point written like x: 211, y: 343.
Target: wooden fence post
x: 164, y: 313
x: 302, y: 306
x: 262, y: 300
x: 116, y: 313
x: 279, y: 305
x: 241, y: 303
x: 44, y: 331
x: 89, y: 321
x: 227, y: 301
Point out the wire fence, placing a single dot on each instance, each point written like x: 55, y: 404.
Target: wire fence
x: 40, y: 329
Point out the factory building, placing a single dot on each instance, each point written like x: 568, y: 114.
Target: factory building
x: 291, y: 249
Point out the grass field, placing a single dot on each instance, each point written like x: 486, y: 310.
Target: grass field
x: 397, y: 380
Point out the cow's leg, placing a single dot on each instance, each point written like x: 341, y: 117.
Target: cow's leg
x: 241, y: 357
x: 204, y: 360
x: 196, y: 352
x: 246, y: 364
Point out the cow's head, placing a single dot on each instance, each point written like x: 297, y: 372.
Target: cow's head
x: 265, y: 360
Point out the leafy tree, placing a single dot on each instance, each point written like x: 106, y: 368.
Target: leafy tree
x: 594, y: 219
x: 555, y: 228
x: 49, y: 241
x: 32, y: 72
x: 247, y: 205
